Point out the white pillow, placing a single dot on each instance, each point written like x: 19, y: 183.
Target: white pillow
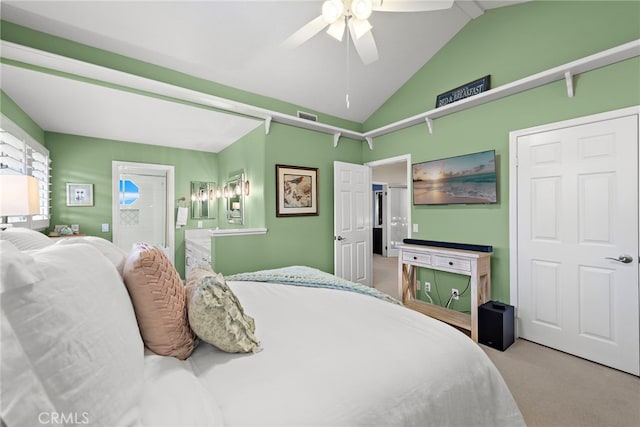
x: 113, y: 253
x: 22, y: 393
x: 69, y: 310
x: 25, y: 239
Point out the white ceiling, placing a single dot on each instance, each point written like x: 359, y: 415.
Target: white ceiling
x: 235, y: 43
x: 79, y: 108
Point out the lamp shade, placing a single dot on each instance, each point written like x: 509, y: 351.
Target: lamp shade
x: 19, y: 195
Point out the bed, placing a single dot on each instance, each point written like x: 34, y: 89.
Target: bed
x: 327, y: 356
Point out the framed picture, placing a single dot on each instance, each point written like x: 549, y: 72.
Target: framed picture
x: 296, y: 191
x: 79, y: 194
x: 467, y: 179
x: 58, y: 228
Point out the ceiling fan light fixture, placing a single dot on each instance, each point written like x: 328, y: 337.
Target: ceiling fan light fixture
x: 336, y: 30
x: 361, y: 9
x: 332, y: 10
x: 360, y: 27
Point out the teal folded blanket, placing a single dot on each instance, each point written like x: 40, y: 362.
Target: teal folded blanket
x: 310, y: 277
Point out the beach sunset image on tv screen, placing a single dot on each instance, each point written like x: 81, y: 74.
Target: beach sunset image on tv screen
x: 466, y: 179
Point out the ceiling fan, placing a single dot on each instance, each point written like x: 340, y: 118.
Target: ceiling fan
x: 354, y: 15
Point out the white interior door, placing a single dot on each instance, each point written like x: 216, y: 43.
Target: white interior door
x: 352, y: 222
x: 143, y: 205
x: 577, y: 234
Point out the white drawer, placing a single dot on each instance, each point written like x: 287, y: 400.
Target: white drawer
x: 452, y: 263
x: 416, y: 258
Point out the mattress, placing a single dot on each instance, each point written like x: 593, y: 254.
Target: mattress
x: 332, y: 358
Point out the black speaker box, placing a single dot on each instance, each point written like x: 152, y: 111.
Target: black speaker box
x: 450, y: 245
x: 496, y: 325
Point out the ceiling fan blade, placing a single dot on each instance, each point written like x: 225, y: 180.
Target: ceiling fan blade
x: 305, y: 33
x: 365, y: 45
x: 411, y: 5
x: 360, y: 27
x: 336, y: 30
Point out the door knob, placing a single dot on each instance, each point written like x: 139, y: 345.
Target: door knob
x: 341, y: 238
x: 625, y: 259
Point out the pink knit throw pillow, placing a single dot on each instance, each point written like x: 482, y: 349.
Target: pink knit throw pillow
x: 159, y: 300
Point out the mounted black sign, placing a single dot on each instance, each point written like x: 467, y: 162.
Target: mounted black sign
x: 472, y: 88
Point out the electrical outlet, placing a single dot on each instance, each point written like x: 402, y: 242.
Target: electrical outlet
x: 418, y: 285
x: 427, y: 286
x: 455, y: 294
x: 105, y: 228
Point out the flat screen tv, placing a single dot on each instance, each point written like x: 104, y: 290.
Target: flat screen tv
x: 466, y: 179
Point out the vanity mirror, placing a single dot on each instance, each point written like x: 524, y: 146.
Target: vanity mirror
x: 203, y: 200
x: 235, y: 190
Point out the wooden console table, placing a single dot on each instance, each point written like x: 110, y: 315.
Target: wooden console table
x: 476, y: 265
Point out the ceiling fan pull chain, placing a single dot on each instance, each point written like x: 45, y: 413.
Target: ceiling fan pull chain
x: 348, y: 68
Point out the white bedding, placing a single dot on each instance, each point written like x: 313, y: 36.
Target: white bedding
x: 333, y: 357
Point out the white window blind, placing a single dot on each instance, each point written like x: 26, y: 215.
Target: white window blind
x: 22, y: 155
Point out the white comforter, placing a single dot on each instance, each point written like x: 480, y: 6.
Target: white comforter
x: 331, y: 358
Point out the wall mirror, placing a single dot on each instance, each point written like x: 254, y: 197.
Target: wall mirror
x: 234, y: 193
x: 203, y: 200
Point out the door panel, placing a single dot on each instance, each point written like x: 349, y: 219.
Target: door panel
x: 577, y: 201
x: 546, y: 295
x: 596, y: 303
x: 352, y: 222
x: 143, y: 205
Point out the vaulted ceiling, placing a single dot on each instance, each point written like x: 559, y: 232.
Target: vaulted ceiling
x: 235, y: 43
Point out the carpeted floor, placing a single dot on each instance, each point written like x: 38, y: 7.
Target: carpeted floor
x: 556, y: 389
x: 385, y: 275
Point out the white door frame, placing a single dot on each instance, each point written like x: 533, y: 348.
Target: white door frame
x: 513, y: 182
x: 116, y: 167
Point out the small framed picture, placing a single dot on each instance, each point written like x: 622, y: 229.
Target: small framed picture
x: 58, y: 228
x: 296, y: 191
x: 79, y: 194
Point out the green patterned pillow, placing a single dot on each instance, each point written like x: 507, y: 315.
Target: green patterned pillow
x: 215, y: 314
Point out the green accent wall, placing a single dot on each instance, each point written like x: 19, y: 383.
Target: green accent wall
x: 508, y: 43
x: 247, y: 155
x: 513, y: 42
x: 89, y: 160
x: 306, y: 240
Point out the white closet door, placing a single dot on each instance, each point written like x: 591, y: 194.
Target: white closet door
x: 577, y: 203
